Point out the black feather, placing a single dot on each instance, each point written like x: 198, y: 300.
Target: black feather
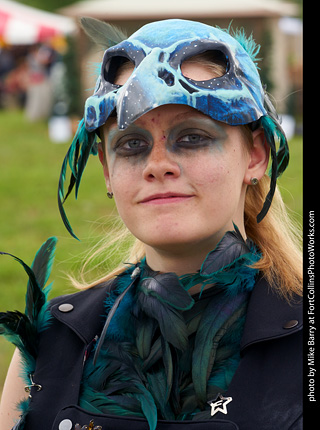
x: 62, y: 197
x: 43, y: 260
x: 145, y: 329
x: 110, y: 315
x: 273, y: 178
x: 20, y: 328
x: 167, y: 289
x: 167, y: 317
x: 229, y: 249
x: 35, y: 297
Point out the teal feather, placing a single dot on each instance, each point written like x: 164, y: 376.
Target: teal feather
x: 155, y: 354
x: 147, y: 369
x: 116, y: 385
x: 145, y: 332
x: 162, y: 298
x: 41, y: 268
x: 23, y: 329
x: 42, y: 263
x: 61, y: 195
x: 168, y: 366
x: 212, y: 326
x: 247, y: 42
x: 271, y: 128
x: 167, y: 317
x: 149, y: 408
x: 230, y: 248
x: 157, y: 385
x: 83, y: 145
x: 88, y: 142
x: 167, y: 289
x: 118, y: 301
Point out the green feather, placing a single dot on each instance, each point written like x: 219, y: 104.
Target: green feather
x: 212, y: 326
x: 42, y: 263
x: 145, y: 332
x: 23, y: 329
x: 167, y: 318
x: 157, y: 386
x: 83, y: 145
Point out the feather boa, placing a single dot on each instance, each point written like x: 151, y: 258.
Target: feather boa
x: 166, y: 353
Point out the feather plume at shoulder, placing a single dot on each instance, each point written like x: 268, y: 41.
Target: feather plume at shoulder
x: 22, y: 329
x: 103, y: 34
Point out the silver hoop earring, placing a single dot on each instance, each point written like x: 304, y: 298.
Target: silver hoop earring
x: 110, y: 194
x: 254, y: 181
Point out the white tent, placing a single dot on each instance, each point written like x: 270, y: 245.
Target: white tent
x: 23, y: 25
x: 146, y: 9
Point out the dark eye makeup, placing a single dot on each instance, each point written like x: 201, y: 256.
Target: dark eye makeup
x: 185, y: 136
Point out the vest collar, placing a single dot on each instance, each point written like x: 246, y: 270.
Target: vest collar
x: 268, y: 315
x: 86, y: 311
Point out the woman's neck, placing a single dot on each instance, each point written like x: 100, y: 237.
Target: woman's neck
x: 180, y: 260
x: 183, y: 258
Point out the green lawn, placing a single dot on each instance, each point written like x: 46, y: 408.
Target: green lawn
x: 29, y: 172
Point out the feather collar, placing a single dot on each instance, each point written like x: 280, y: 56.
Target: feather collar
x: 166, y: 354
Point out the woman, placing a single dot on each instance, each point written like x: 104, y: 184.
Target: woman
x: 202, y: 328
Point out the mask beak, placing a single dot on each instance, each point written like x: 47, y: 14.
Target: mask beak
x: 150, y: 85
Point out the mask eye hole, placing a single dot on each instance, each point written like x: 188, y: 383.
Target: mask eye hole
x: 205, y: 66
x: 117, y: 70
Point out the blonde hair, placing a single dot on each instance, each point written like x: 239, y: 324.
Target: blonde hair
x: 276, y: 236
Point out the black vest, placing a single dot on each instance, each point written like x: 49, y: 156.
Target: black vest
x: 266, y: 389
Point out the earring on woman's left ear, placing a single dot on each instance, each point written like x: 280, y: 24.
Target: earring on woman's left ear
x: 254, y: 181
x: 110, y: 194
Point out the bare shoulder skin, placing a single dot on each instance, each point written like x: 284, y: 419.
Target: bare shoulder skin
x: 13, y: 392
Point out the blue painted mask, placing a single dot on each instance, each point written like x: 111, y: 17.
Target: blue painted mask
x: 157, y: 52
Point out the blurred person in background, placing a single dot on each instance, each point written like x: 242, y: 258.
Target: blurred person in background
x: 39, y: 97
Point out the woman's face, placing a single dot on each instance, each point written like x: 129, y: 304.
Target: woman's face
x: 178, y: 177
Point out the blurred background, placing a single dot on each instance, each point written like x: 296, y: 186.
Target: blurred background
x: 47, y: 69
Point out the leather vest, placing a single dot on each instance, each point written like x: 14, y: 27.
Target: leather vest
x: 266, y: 389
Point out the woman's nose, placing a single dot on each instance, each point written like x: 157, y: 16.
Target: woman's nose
x: 160, y: 164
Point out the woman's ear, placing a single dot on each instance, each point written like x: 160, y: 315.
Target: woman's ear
x: 258, y: 157
x: 101, y: 154
x: 103, y: 161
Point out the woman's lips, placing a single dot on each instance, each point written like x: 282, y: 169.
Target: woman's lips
x: 166, y: 198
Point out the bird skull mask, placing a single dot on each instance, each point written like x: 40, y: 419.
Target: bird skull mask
x: 157, y: 51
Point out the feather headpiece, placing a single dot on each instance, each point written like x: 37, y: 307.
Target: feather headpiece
x: 84, y: 142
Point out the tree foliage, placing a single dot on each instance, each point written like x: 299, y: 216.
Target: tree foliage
x: 48, y: 5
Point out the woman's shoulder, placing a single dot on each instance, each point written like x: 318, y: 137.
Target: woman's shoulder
x: 89, y: 294
x: 81, y: 311
x: 83, y: 302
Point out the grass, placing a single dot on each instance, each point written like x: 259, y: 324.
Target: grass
x: 29, y: 173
